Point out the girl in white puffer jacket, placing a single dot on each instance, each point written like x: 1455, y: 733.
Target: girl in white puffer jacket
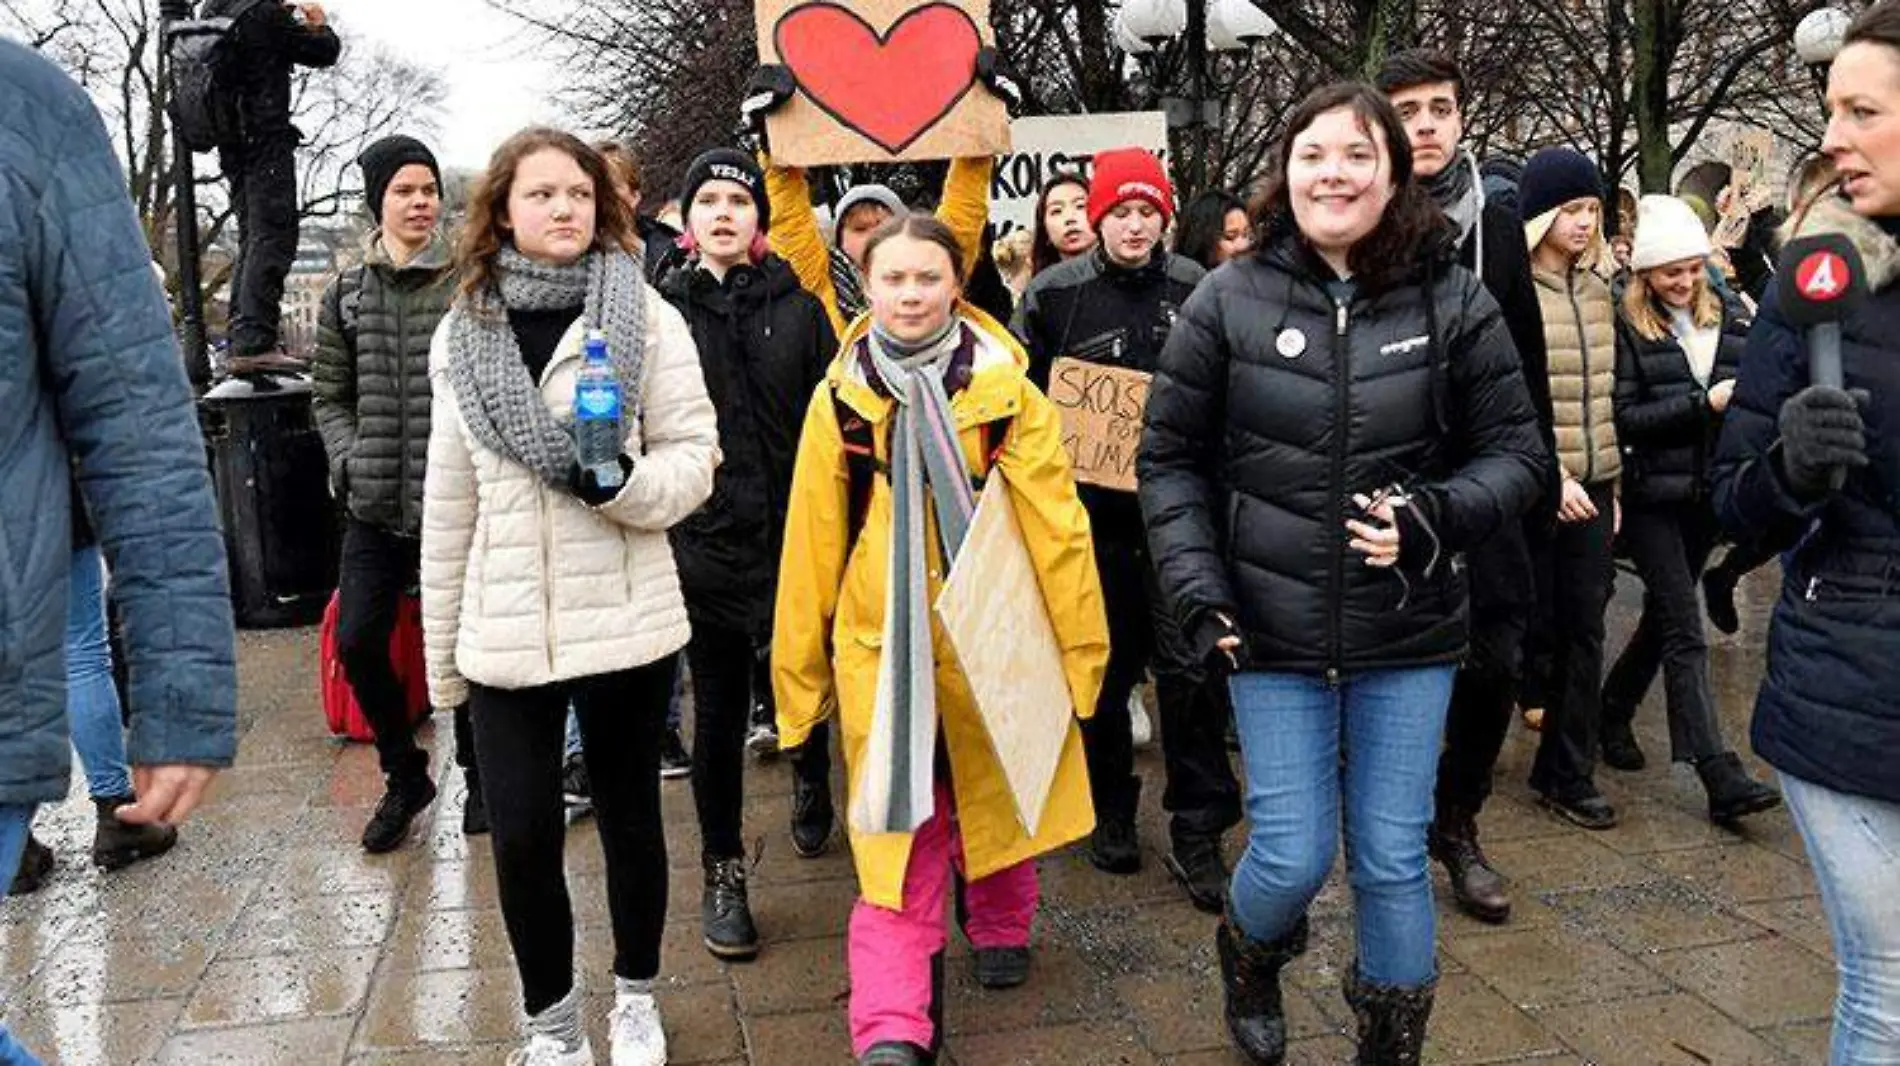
x: 541, y: 587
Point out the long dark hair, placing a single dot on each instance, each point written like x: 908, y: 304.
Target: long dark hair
x: 1203, y: 224
x: 1411, y: 231
x: 1042, y: 250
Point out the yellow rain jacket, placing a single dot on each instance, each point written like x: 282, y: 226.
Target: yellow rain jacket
x: 798, y: 240
x: 830, y: 617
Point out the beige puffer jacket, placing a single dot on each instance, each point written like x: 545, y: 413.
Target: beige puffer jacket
x: 525, y: 585
x: 1580, y: 333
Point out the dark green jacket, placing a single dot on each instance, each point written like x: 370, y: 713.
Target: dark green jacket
x: 372, y: 381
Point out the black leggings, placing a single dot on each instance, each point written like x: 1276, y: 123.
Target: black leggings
x: 519, y: 736
x: 723, y: 666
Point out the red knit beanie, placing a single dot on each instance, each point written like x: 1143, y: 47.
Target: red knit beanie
x: 1129, y: 174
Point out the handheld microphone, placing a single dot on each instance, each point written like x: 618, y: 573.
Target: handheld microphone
x: 1820, y: 281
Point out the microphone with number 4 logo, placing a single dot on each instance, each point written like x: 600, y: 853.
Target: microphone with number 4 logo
x: 1820, y: 282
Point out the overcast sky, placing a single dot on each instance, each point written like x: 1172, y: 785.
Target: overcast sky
x: 494, y: 89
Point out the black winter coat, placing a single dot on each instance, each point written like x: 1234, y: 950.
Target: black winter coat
x: 1827, y: 712
x: 1275, y: 404
x: 1663, y: 420
x: 370, y: 381
x: 1091, y: 309
x: 764, y: 345
x: 270, y: 41
x: 1503, y: 576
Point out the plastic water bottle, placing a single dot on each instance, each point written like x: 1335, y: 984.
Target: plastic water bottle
x: 598, y: 433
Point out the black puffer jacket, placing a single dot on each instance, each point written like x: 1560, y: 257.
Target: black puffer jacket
x: 1663, y: 420
x: 764, y: 345
x: 370, y: 380
x: 1827, y: 711
x: 1091, y: 309
x: 270, y: 41
x: 1275, y: 405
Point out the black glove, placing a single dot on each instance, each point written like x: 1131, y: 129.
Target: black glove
x: 1822, y: 438
x: 586, y: 487
x: 769, y: 88
x: 996, y: 75
x: 1204, y: 642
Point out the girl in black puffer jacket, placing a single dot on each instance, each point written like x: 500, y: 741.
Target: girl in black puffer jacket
x: 1335, y: 419
x: 764, y: 344
x: 1674, y: 376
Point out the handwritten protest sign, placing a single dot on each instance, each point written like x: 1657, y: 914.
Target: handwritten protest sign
x: 1101, y: 409
x: 1748, y: 190
x: 881, y: 80
x: 993, y: 611
x: 1043, y: 147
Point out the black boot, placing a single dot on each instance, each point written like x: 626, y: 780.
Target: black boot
x: 811, y: 815
x: 1476, y: 886
x: 1196, y: 862
x: 1391, y: 1020
x: 1733, y: 795
x: 998, y: 968
x: 403, y: 799
x: 474, y: 806
x: 725, y: 913
x: 1620, y: 750
x: 1718, y: 597
x: 1115, y: 846
x: 36, y: 865
x: 1250, y: 979
x: 893, y: 1053
x: 116, y: 844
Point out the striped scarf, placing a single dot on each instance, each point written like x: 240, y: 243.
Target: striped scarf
x: 895, y: 793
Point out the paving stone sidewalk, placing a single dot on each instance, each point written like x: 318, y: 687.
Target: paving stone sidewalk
x: 268, y: 938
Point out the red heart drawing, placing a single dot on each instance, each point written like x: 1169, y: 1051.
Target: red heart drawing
x: 890, y: 87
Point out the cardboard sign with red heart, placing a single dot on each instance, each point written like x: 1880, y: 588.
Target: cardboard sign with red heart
x: 881, y: 80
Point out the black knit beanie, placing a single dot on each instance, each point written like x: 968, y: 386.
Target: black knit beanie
x: 1553, y: 178
x: 727, y: 164
x: 381, y: 161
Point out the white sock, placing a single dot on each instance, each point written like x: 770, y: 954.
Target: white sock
x: 562, y: 1021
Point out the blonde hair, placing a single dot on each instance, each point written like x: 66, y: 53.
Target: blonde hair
x: 1647, y: 314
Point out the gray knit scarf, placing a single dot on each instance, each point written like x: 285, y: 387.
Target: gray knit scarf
x: 895, y: 794
x: 1459, y: 193
x: 500, y: 402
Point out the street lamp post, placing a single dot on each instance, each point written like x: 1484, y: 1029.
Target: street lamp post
x: 191, y: 312
x: 1201, y: 30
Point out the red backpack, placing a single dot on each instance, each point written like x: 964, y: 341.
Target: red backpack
x: 340, y: 710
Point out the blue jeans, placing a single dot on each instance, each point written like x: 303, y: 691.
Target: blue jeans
x: 15, y: 821
x: 1292, y: 730
x: 1853, y: 844
x: 92, y: 701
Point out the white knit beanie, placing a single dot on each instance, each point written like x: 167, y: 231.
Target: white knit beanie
x: 1667, y: 231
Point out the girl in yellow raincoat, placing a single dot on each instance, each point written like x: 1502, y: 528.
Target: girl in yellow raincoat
x: 936, y: 391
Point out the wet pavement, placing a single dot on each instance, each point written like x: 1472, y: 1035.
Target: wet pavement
x: 269, y: 938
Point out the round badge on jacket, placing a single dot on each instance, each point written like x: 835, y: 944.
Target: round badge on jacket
x: 1291, y: 343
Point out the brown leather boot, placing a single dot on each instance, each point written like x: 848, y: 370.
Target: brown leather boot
x: 1475, y: 885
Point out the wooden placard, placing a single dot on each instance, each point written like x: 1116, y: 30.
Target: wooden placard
x: 994, y: 613
x: 881, y: 80
x: 1102, y: 409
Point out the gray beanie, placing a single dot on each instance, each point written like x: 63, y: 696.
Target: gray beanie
x: 860, y: 195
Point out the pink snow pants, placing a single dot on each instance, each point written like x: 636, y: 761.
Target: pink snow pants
x: 889, y: 952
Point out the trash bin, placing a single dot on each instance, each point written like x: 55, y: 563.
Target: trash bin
x: 273, y: 485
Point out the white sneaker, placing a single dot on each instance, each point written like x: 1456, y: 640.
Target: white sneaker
x: 1143, y: 729
x: 634, y: 1027
x: 544, y: 1050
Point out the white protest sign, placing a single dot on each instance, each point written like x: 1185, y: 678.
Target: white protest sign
x: 1044, y: 147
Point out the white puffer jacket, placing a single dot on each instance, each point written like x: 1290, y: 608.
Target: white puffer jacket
x: 525, y: 585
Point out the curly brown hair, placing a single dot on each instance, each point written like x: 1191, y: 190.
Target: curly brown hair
x: 1412, y: 231
x: 485, y: 231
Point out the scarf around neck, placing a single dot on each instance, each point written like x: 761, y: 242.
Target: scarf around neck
x: 897, y: 790
x: 500, y: 401
x: 1459, y: 193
